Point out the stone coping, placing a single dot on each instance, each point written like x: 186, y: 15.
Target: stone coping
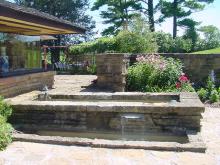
x: 189, y: 102
x: 115, y: 95
x: 195, y: 143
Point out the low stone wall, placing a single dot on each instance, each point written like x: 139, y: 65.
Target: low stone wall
x: 95, y: 114
x: 15, y: 85
x: 111, y: 71
x: 197, y: 66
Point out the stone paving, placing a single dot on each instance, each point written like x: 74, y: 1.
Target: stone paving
x: 76, y: 83
x: 24, y: 153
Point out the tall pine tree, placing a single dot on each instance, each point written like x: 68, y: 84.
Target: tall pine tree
x: 180, y: 9
x: 148, y: 10
x: 191, y: 31
x: 118, y: 13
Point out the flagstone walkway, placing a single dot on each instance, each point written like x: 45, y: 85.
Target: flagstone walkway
x: 24, y: 153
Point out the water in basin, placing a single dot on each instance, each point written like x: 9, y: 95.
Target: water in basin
x: 157, y: 137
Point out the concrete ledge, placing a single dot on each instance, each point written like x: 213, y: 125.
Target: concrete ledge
x: 192, y: 146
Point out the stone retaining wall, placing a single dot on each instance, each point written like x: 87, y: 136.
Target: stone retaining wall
x: 197, y: 66
x: 90, y: 115
x: 34, y: 120
x: 111, y: 71
x: 15, y: 85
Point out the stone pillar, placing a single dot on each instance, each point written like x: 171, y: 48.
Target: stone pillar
x: 111, y: 71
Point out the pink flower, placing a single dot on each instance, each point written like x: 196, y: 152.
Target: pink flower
x: 178, y: 85
x: 183, y: 78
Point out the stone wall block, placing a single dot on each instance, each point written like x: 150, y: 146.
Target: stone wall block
x: 13, y: 86
x: 111, y: 71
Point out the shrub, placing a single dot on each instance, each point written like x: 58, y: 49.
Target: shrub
x: 5, y: 133
x: 166, y: 44
x: 92, y: 69
x: 202, y: 93
x: 154, y: 73
x: 137, y: 39
x: 181, y: 45
x: 209, y: 92
x: 130, y: 42
x: 5, y: 128
x: 214, y: 96
x: 5, y: 109
x: 138, y: 76
x: 100, y: 45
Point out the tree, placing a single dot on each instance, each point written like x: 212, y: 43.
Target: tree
x: 180, y: 9
x: 211, y: 36
x: 191, y: 30
x: 148, y: 9
x: 71, y: 10
x: 118, y: 14
x: 138, y: 37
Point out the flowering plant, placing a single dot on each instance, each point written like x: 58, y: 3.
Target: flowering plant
x: 153, y: 59
x: 183, y: 83
x: 154, y: 73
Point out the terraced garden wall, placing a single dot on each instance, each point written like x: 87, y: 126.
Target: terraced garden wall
x: 15, y: 85
x: 199, y: 66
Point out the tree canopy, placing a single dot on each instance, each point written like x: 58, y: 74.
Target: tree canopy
x: 211, y: 36
x: 118, y: 13
x: 180, y: 9
x: 71, y: 10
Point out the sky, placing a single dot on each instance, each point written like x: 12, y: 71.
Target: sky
x: 209, y: 16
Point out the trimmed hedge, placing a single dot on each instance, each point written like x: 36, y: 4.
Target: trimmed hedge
x: 124, y: 42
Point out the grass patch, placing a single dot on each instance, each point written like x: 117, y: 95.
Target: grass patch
x: 210, y: 51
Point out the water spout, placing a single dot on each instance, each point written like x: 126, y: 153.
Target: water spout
x: 44, y: 96
x: 132, y: 126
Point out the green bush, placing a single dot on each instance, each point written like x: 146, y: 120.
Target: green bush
x: 5, y: 128
x: 138, y: 76
x: 181, y: 45
x: 5, y: 109
x: 202, y: 93
x: 5, y: 135
x: 166, y: 44
x: 154, y: 73
x: 100, y: 45
x: 138, y: 39
x: 92, y: 69
x: 131, y: 42
x: 214, y: 96
x: 209, y: 92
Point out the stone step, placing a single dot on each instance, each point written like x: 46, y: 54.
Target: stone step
x: 125, y: 96
x: 105, y: 106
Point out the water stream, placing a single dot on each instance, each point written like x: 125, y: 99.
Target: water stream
x: 133, y: 126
